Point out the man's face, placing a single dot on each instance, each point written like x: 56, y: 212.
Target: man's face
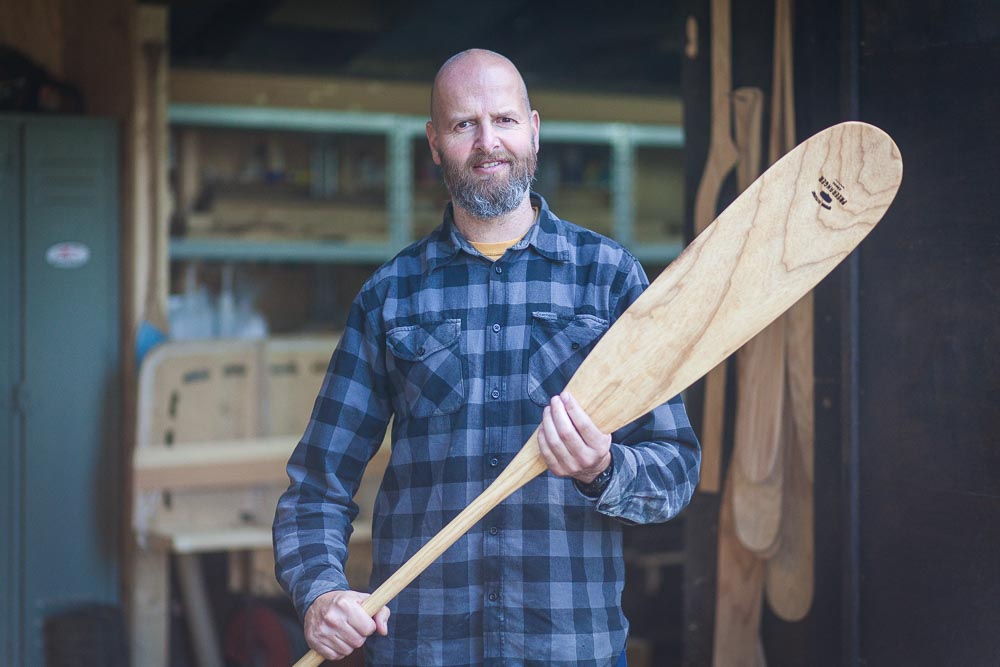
x: 484, y: 137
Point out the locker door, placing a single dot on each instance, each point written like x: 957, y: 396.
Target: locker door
x: 71, y: 339
x: 10, y: 462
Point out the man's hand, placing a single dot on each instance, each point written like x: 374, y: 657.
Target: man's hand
x: 570, y: 443
x: 336, y: 624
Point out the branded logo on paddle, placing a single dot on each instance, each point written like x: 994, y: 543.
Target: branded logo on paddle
x: 832, y: 190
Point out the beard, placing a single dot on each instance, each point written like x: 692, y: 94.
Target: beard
x: 493, y: 196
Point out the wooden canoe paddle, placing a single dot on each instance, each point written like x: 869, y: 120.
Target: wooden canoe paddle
x: 789, y: 579
x: 740, y: 584
x: 773, y: 244
x: 760, y: 373
x: 722, y: 157
x: 788, y: 574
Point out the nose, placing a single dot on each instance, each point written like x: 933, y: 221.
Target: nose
x: 486, y: 137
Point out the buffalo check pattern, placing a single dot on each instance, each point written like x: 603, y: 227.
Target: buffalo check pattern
x: 464, y: 353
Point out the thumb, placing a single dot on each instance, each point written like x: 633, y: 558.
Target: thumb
x: 382, y: 621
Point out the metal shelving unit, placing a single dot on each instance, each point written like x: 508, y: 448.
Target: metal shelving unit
x: 400, y: 131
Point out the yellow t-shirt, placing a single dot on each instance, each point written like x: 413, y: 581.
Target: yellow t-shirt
x: 495, y: 251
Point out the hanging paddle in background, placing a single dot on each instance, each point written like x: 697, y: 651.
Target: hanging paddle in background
x: 740, y: 569
x: 722, y: 157
x: 790, y: 573
x: 773, y: 244
x: 760, y: 365
x: 740, y: 584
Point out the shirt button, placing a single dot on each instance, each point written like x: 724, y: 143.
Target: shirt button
x: 498, y: 269
x: 494, y: 462
x: 496, y: 328
x: 420, y: 351
x: 495, y: 393
x: 575, y: 345
x: 494, y: 530
x: 493, y: 597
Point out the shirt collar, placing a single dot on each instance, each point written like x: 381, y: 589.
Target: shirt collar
x: 547, y: 236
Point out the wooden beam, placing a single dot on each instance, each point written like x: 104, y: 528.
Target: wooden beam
x: 213, y: 464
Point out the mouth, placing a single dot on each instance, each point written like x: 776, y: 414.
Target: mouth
x: 489, y: 166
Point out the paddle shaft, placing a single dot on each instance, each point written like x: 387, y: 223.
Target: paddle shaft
x: 524, y: 467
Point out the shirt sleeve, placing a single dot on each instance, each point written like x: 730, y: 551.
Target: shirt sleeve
x: 657, y: 457
x: 312, y: 523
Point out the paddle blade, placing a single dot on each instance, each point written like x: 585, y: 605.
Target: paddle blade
x: 772, y: 245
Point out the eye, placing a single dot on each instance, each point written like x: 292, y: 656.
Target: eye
x: 463, y: 125
x: 507, y: 120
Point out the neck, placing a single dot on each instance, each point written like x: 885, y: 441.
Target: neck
x: 495, y: 230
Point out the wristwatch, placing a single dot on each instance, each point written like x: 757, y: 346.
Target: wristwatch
x: 596, y: 486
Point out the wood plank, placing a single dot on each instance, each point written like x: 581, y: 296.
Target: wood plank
x: 148, y: 603
x: 218, y: 539
x: 213, y: 463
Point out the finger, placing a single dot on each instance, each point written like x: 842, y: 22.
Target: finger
x: 330, y: 648
x: 382, y: 621
x: 341, y: 647
x: 544, y: 448
x: 564, y: 427
x: 592, y: 436
x: 359, y: 619
x: 346, y: 638
x: 558, y: 456
x: 338, y: 624
x: 585, y: 457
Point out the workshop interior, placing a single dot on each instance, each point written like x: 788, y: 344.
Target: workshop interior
x: 193, y: 192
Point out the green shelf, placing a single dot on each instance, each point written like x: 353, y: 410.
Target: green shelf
x: 623, y: 139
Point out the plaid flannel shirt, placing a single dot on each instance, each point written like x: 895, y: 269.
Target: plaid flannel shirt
x: 466, y: 353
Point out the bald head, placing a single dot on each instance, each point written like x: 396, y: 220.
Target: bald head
x: 471, y: 68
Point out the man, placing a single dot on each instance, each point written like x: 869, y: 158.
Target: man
x: 468, y: 337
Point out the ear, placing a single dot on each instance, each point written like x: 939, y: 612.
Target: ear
x: 432, y: 142
x: 536, y: 123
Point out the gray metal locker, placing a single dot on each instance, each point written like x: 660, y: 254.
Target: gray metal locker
x: 59, y: 332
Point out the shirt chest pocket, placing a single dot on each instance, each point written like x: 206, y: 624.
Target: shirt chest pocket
x: 425, y: 366
x: 558, y: 346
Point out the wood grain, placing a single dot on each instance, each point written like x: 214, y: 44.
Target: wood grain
x: 761, y: 362
x: 801, y: 378
x: 789, y: 572
x: 767, y: 249
x: 759, y: 403
x: 740, y: 586
x: 757, y: 486
x: 757, y: 509
x: 748, y: 108
x: 722, y: 157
